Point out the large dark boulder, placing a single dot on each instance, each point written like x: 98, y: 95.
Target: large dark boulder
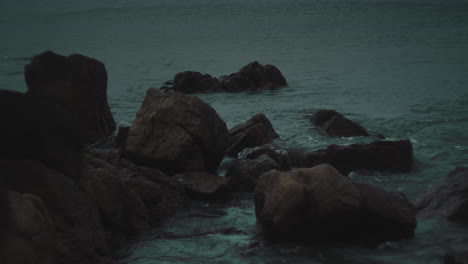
x: 37, y: 131
x: 195, y: 82
x: 319, y: 205
x: 254, y: 76
x: 449, y: 200
x: 243, y: 174
x: 393, y: 156
x: 254, y: 132
x: 77, y: 84
x: 456, y: 257
x: 335, y: 124
x: 176, y: 133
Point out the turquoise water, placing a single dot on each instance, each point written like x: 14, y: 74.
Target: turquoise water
x: 400, y: 68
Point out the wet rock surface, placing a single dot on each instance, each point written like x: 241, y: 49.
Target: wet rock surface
x: 335, y: 124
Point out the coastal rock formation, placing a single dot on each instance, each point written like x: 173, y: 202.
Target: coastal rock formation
x: 375, y: 156
x: 254, y: 132
x: 279, y: 155
x: 30, y: 235
x: 243, y: 174
x: 319, y: 204
x: 41, y: 132
x: 176, y: 133
x: 335, y: 124
x: 195, y: 82
x: 254, y: 76
x: 75, y: 83
x: 449, y: 200
x: 202, y: 185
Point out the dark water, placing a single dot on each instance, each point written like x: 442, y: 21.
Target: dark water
x: 400, y: 68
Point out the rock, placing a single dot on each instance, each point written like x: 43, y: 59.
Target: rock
x: 279, y: 155
x: 77, y: 84
x: 176, y: 133
x: 449, y: 200
x: 335, y: 124
x: 376, y: 156
x: 254, y: 76
x: 41, y: 132
x: 384, y: 215
x: 114, y: 142
x: 202, y: 185
x: 456, y: 257
x: 243, y: 174
x: 318, y: 205
x: 31, y: 232
x: 254, y: 132
x: 305, y: 204
x: 195, y: 82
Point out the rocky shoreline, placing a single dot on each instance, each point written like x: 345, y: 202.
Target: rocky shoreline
x: 72, y: 190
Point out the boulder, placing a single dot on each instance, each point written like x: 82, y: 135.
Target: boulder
x: 243, y: 174
x: 254, y: 132
x: 254, y: 76
x: 202, y: 185
x: 38, y: 131
x: 449, y: 200
x: 335, y: 124
x: 31, y: 232
x: 318, y: 204
x: 456, y: 257
x: 75, y: 83
x: 393, y: 156
x: 176, y: 133
x: 195, y: 82
x: 279, y: 155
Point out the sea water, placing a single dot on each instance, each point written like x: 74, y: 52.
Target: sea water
x: 398, y: 67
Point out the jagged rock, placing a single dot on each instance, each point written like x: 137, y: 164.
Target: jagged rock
x: 77, y: 84
x: 176, y: 133
x: 243, y: 174
x: 254, y: 76
x: 195, y: 82
x: 202, y: 185
x: 335, y: 124
x: 375, y: 156
x: 449, y: 200
x: 254, y: 132
x: 321, y: 205
x: 31, y: 232
x: 41, y: 132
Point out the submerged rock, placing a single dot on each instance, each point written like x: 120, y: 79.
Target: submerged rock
x: 254, y: 76
x: 335, y: 124
x: 243, y: 174
x: 254, y: 132
x: 319, y: 205
x: 176, y: 133
x: 449, y: 200
x: 195, y: 82
x: 77, y: 84
x: 375, y: 156
x: 202, y: 185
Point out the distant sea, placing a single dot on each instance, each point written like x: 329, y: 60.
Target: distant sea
x: 398, y: 67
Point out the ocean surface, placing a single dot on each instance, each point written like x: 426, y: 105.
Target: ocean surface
x: 398, y: 67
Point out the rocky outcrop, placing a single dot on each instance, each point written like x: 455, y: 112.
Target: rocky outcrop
x: 456, y: 257
x: 335, y: 124
x: 279, y: 155
x: 449, y: 200
x: 30, y: 237
x: 254, y: 132
x: 75, y: 83
x: 38, y: 131
x: 243, y: 174
x: 194, y: 82
x: 393, y: 156
x: 176, y: 133
x: 202, y: 185
x: 319, y: 205
x: 253, y: 76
